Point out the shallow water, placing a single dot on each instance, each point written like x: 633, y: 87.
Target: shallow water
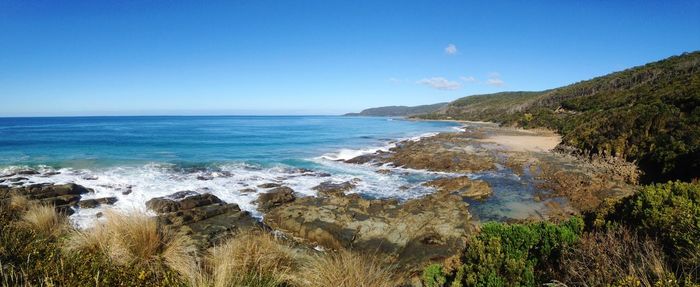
x: 156, y: 156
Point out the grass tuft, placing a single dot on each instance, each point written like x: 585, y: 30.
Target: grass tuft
x: 345, y: 269
x: 44, y: 220
x: 134, y: 238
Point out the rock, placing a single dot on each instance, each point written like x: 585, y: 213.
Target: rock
x: 330, y: 188
x: 27, y: 172
x: 322, y: 174
x: 205, y: 177
x: 127, y: 190
x: 269, y: 185
x: 414, y: 233
x: 474, y: 189
x: 181, y: 200
x: 62, y: 196
x: 383, y: 171
x: 451, y: 152
x: 90, y: 177
x: 93, y: 203
x: 204, y: 217
x: 247, y: 190
x: 17, y: 179
x: 275, y: 197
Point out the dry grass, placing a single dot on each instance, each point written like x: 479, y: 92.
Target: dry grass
x: 252, y: 255
x: 45, y: 220
x: 18, y: 203
x: 605, y: 258
x: 345, y: 269
x: 134, y: 238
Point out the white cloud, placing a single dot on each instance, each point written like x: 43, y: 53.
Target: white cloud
x: 495, y: 79
x: 495, y: 82
x: 440, y: 83
x: 451, y: 49
x: 469, y: 79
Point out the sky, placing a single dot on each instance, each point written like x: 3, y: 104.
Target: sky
x: 315, y: 57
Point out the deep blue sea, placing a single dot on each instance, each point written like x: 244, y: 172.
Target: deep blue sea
x: 138, y: 158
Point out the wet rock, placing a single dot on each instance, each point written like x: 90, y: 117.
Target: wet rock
x: 463, y: 185
x: 61, y: 196
x: 127, y: 190
x: 453, y: 152
x: 384, y: 171
x: 248, y: 190
x: 181, y: 200
x: 90, y: 177
x: 17, y: 179
x: 323, y: 174
x: 204, y: 217
x: 96, y: 202
x: 27, y: 172
x: 330, y: 188
x: 50, y: 173
x: 414, y: 233
x: 205, y: 177
x: 269, y: 185
x: 275, y: 197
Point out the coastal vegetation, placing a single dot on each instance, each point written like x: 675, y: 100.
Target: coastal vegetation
x: 648, y: 239
x: 622, y: 234
x: 649, y: 115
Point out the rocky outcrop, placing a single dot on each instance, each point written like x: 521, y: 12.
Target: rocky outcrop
x: 453, y: 152
x: 269, y: 185
x: 275, y: 197
x: 63, y: 196
x: 204, y: 217
x: 412, y: 233
x: 96, y: 202
x: 329, y: 188
x: 463, y: 185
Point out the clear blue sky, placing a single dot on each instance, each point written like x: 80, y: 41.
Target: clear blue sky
x: 315, y: 57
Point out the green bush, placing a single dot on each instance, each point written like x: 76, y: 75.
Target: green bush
x: 670, y: 213
x: 433, y: 276
x: 513, y: 254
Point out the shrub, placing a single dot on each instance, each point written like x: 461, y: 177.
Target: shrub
x: 514, y: 254
x: 671, y: 213
x: 433, y: 276
x: 613, y: 257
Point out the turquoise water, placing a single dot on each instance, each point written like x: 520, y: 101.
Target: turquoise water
x: 87, y: 142
x: 229, y: 156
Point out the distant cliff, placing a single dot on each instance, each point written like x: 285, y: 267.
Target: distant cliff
x: 399, y: 111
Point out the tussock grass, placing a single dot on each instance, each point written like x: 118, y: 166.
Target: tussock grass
x: 134, y: 238
x: 345, y: 269
x: 18, y: 203
x: 249, y: 258
x: 44, y: 220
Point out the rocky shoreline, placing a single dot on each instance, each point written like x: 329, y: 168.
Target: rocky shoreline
x: 410, y: 233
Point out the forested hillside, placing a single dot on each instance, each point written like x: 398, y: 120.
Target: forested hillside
x: 648, y: 114
x: 399, y: 111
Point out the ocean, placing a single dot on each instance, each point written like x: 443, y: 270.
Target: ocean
x: 137, y: 158
x: 223, y: 155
